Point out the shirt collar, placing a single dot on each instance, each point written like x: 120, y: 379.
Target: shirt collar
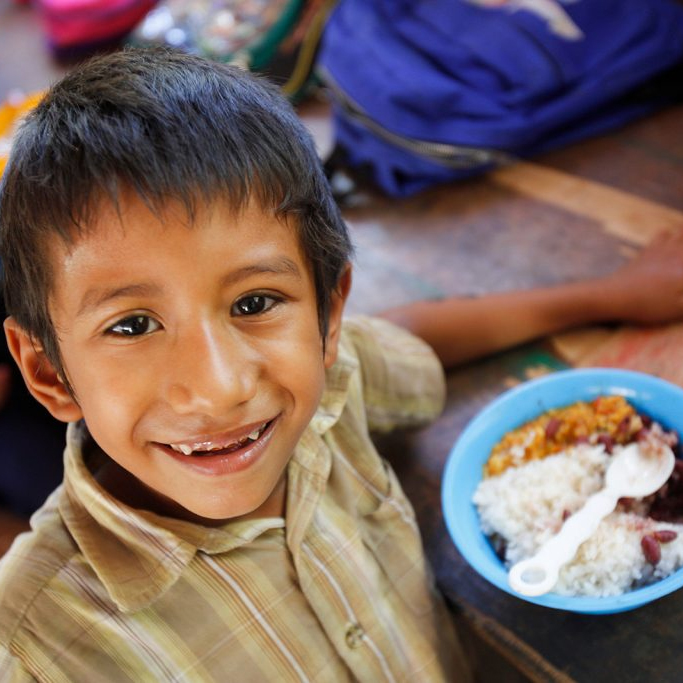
x: 138, y: 555
x: 309, y: 469
x: 337, y: 379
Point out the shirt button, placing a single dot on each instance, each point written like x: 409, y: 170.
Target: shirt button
x: 354, y: 635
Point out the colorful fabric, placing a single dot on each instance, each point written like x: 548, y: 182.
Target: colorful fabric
x: 11, y: 113
x: 336, y: 591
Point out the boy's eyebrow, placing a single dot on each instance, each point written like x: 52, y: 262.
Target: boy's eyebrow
x: 94, y: 298
x: 278, y: 266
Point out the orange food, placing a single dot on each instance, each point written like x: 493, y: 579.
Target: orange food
x: 607, y: 419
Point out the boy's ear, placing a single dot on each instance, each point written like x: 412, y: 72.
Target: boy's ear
x: 40, y: 376
x: 334, y: 323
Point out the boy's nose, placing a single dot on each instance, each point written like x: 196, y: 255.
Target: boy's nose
x: 211, y: 372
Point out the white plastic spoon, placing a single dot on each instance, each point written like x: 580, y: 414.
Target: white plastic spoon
x: 633, y: 473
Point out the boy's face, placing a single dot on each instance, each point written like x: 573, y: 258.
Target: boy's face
x: 194, y: 353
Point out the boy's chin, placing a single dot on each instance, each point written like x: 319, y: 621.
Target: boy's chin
x: 208, y: 510
x: 214, y: 513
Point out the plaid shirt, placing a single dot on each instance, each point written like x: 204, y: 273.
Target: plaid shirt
x: 336, y: 591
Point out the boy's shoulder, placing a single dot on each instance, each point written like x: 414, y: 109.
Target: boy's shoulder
x: 377, y: 340
x: 401, y: 382
x: 32, y: 564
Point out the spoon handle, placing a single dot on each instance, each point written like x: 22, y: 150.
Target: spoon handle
x: 538, y: 574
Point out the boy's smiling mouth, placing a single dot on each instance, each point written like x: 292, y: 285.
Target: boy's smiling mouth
x: 222, y: 454
x: 213, y: 446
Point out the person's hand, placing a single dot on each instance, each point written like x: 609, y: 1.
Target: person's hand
x: 649, y: 289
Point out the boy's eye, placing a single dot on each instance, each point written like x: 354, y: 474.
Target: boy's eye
x: 134, y: 326
x: 253, y: 305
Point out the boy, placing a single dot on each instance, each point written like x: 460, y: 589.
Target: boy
x: 175, y: 273
x: 176, y: 270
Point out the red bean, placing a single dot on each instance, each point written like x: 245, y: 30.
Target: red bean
x: 627, y: 503
x: 646, y: 419
x: 651, y: 549
x: 642, y: 434
x: 607, y: 441
x: 552, y: 427
x: 624, y: 425
x: 665, y: 535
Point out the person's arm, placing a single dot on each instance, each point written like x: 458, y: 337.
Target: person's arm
x: 647, y: 290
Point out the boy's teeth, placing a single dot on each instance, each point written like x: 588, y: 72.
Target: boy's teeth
x: 188, y: 450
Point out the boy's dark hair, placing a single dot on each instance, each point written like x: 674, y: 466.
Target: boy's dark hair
x: 167, y: 125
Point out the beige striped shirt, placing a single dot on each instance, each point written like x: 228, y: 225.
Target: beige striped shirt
x: 336, y: 591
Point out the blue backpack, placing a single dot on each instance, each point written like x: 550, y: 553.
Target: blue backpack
x: 426, y: 91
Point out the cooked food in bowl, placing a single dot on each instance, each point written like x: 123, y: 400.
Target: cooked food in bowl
x: 540, y: 473
x: 608, y: 420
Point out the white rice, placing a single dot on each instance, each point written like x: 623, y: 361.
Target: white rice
x: 526, y: 505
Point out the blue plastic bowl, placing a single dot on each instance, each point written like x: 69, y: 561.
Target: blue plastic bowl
x: 655, y: 397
